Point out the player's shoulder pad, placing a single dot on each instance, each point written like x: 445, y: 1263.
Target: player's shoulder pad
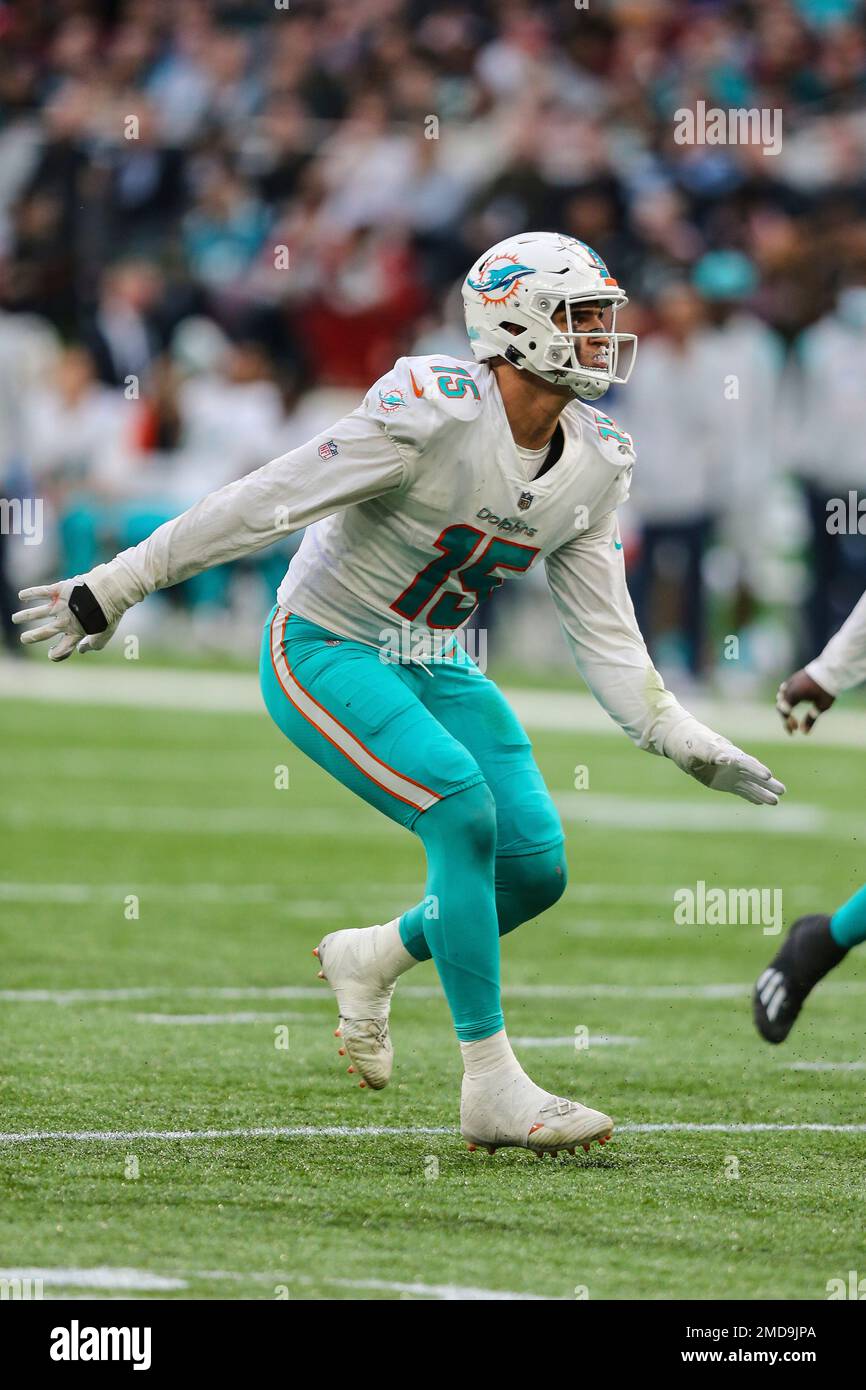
x: 602, y: 433
x: 422, y: 396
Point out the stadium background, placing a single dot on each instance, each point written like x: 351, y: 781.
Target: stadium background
x: 220, y: 222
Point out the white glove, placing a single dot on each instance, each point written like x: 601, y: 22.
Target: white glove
x: 720, y: 764
x: 52, y: 603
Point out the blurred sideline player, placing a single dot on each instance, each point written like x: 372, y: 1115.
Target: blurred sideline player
x: 816, y: 942
x: 449, y: 478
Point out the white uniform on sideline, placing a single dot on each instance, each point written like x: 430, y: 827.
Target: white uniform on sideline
x: 842, y: 663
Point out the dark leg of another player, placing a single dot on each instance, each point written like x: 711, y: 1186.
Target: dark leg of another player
x: 808, y: 953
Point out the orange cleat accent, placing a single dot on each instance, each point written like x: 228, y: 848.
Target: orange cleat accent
x: 316, y: 952
x: 337, y: 1032
x: 361, y: 1085
x: 351, y: 1070
x: 586, y: 1148
x: 341, y: 1052
x: 472, y: 1148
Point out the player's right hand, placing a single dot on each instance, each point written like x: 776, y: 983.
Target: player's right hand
x: 792, y: 692
x: 83, y: 626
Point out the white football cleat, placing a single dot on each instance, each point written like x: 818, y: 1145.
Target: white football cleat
x: 505, y: 1110
x: 348, y: 961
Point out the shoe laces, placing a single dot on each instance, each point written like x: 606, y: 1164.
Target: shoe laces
x: 378, y: 1027
x: 558, y: 1105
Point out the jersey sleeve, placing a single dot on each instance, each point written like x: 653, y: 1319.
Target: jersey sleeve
x: 842, y: 663
x: 352, y: 462
x: 588, y: 584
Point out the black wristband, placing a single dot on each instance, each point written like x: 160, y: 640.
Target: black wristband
x: 88, y: 612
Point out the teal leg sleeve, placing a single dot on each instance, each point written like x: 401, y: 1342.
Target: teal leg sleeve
x: 526, y: 885
x: 848, y: 923
x: 456, y: 924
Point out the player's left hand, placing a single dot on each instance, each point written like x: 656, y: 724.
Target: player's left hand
x: 732, y: 770
x: 795, y: 689
x: 717, y: 763
x: 82, y: 626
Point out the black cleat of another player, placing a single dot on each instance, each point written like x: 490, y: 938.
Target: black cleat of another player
x: 807, y: 954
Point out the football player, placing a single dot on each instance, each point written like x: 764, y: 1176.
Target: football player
x: 449, y: 479
x: 816, y: 942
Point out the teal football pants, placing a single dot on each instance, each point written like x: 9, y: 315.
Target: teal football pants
x: 439, y: 750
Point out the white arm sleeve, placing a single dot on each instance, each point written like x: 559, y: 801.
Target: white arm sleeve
x: 842, y: 663
x: 358, y: 461
x: 587, y: 580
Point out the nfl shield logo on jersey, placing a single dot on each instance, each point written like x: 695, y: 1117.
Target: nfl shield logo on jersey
x: 524, y: 501
x: 329, y: 449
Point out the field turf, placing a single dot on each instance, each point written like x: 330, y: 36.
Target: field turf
x: 150, y: 855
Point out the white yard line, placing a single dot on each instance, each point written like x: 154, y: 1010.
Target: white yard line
x: 105, y: 1277
x: 178, y: 820
x: 283, y: 1017
x: 108, y: 1136
x: 441, y: 1291
x: 134, y: 686
x: 102, y: 1277
x: 825, y: 1066
x: 726, y: 816
x: 320, y: 993
x: 580, y: 808
x: 569, y: 1040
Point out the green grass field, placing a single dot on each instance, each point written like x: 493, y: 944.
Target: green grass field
x: 235, y: 882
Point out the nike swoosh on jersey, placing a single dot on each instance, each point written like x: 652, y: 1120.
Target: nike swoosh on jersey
x: 419, y: 390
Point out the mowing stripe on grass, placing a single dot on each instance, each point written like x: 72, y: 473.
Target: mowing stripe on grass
x: 107, y: 1136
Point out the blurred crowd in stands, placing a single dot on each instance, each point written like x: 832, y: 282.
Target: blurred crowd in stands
x: 221, y: 220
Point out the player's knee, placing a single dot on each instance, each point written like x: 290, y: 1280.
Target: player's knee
x: 543, y: 879
x: 472, y: 821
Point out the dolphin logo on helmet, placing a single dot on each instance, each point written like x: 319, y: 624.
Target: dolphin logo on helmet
x: 498, y: 282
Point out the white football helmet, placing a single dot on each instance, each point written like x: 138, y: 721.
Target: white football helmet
x: 512, y: 293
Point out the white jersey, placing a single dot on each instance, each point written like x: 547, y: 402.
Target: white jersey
x: 842, y: 663
x: 417, y: 506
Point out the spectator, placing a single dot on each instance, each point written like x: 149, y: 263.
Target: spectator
x: 669, y: 408
x: 829, y: 452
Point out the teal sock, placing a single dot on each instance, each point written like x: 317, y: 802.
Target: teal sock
x: 456, y: 924
x: 848, y: 923
x: 526, y: 884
